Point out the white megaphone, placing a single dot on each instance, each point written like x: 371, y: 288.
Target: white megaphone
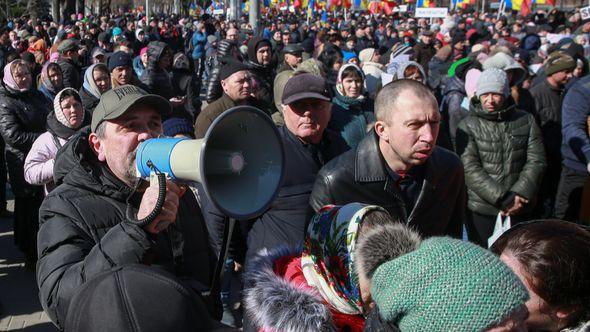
x: 239, y: 162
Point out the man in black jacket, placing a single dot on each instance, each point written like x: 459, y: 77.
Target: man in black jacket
x: 84, y: 223
x: 68, y: 62
x: 548, y: 96
x: 424, y: 50
x: 398, y: 166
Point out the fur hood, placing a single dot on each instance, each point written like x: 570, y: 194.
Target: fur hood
x: 274, y: 304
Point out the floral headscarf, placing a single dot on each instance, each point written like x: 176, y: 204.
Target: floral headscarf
x: 328, y: 255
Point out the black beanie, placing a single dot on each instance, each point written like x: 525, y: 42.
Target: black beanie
x: 118, y: 59
x: 229, y: 67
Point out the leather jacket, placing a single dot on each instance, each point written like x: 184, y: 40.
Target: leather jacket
x: 360, y: 176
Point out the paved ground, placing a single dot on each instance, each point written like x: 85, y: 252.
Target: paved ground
x: 18, y: 289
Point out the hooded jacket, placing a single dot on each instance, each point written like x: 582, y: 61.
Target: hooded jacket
x: 22, y: 119
x: 372, y: 72
x: 351, y: 116
x: 262, y: 76
x: 502, y: 152
x: 155, y: 79
x: 84, y: 231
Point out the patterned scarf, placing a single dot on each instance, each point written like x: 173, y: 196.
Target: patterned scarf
x: 328, y: 255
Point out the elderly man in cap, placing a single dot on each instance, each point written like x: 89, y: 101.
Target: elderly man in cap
x: 292, y: 57
x: 309, y: 145
x: 89, y: 223
x: 237, y: 90
x: 68, y: 62
x: 424, y: 50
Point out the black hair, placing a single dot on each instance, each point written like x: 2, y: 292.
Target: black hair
x: 69, y: 93
x: 351, y: 72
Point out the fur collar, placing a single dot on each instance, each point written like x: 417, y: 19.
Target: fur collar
x: 274, y: 304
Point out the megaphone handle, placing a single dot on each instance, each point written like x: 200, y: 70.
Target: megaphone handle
x: 228, y: 229
x: 157, y: 209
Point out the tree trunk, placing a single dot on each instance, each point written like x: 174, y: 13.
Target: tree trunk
x: 55, y: 10
x: 80, y: 7
x: 69, y: 8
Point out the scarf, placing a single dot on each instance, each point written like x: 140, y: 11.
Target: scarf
x: 59, y: 113
x: 89, y: 83
x: 9, y: 80
x: 340, y: 87
x: 57, y: 128
x: 45, y: 81
x: 328, y: 255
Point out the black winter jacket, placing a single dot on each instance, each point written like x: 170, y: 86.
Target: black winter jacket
x: 89, y: 101
x: 502, y: 152
x: 548, y: 102
x: 154, y: 79
x: 226, y: 48
x: 83, y: 231
x: 71, y: 74
x: 23, y: 118
x: 360, y: 176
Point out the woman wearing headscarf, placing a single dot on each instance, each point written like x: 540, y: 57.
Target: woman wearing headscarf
x: 65, y: 120
x: 23, y: 114
x: 372, y: 69
x: 96, y: 82
x: 352, y: 109
x: 51, y: 80
x: 317, y: 288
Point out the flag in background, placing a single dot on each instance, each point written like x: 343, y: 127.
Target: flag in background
x: 310, y: 8
x: 423, y: 3
x: 325, y: 17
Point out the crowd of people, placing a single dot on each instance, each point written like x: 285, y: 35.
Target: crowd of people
x: 409, y: 145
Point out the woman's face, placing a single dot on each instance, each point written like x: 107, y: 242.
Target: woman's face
x: 102, y: 80
x: 22, y: 77
x: 541, y: 315
x: 352, y: 86
x: 491, y: 101
x: 55, y: 76
x: 73, y: 111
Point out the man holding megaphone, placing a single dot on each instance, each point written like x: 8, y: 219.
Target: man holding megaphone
x: 84, y: 223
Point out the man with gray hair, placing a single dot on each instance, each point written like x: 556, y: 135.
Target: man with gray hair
x: 399, y: 167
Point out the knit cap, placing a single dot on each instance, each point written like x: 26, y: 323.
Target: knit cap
x: 119, y: 59
x: 176, y: 126
x: 506, y: 63
x: 366, y: 55
x: 59, y: 113
x: 446, y: 285
x: 492, y: 80
x: 559, y: 61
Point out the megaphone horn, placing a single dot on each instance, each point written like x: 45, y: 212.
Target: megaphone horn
x: 239, y: 176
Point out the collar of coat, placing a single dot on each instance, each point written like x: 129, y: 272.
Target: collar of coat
x: 274, y: 304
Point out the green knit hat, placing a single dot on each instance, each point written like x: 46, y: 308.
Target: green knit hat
x: 446, y: 285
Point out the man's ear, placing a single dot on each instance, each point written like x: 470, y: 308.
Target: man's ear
x: 382, y: 131
x: 97, y: 146
x: 223, y: 85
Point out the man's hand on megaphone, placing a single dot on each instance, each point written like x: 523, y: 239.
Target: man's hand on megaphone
x: 169, y: 210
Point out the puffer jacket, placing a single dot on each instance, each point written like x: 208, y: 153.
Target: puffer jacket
x: 84, y: 231
x: 154, y: 79
x: 226, y: 48
x: 22, y: 119
x: 502, y: 152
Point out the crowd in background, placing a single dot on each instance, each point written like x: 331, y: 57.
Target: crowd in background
x: 383, y: 218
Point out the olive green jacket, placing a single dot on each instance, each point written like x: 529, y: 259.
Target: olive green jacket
x: 502, y: 152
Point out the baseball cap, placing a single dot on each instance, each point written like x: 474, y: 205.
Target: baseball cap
x: 305, y: 86
x: 68, y: 45
x: 117, y: 101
